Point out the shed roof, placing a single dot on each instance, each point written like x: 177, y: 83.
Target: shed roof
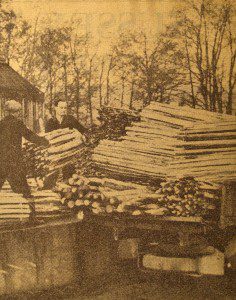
x: 13, y: 85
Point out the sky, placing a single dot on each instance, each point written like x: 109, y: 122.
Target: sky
x: 104, y: 18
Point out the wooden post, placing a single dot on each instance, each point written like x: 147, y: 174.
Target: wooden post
x: 3, y: 272
x: 100, y: 251
x: 228, y: 206
x: 19, y: 262
x: 1, y: 100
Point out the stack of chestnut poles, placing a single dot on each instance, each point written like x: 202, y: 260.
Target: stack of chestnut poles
x: 114, y: 121
x: 177, y: 156
x: 172, y: 142
x: 65, y: 147
x: 181, y: 198
x: 14, y: 207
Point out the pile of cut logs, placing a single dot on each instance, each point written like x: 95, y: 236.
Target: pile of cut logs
x: 167, y: 141
x: 65, y: 145
x: 181, y: 198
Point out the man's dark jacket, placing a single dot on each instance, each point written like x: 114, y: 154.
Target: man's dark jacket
x: 67, y: 122
x: 11, y: 132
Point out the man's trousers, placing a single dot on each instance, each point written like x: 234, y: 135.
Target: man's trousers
x: 17, y: 180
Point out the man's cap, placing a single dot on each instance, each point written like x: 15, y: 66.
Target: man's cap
x: 12, y: 106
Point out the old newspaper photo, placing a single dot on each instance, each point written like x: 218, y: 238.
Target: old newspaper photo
x: 118, y: 149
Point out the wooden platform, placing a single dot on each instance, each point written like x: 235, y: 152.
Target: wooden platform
x: 38, y: 257
x: 53, y: 254
x: 61, y: 251
x: 183, y: 225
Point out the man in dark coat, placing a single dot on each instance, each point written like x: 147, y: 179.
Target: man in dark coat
x: 62, y: 120
x: 12, y: 167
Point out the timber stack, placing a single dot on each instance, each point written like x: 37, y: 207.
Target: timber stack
x: 114, y: 121
x: 65, y: 146
x: 14, y: 207
x: 181, y: 198
x: 208, y: 152
x: 167, y: 138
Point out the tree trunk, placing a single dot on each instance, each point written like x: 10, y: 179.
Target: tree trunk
x: 220, y: 101
x: 190, y: 74
x: 208, y: 76
x: 232, y: 78
x: 65, y: 80
x: 50, y: 89
x: 161, y: 94
x: 131, y: 95
x: 108, y: 81
x: 148, y: 74
x: 122, y: 91
x: 8, y: 47
x: 77, y: 94
x: 100, y: 84
x: 90, y: 94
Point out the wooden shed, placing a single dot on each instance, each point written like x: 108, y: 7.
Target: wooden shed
x: 14, y: 86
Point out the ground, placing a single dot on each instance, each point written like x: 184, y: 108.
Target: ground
x: 132, y: 285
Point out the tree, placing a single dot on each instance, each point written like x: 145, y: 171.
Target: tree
x: 51, y: 51
x: 85, y: 72
x: 148, y: 65
x: 13, y: 33
x: 203, y: 30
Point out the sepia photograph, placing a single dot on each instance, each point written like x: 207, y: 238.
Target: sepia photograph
x: 118, y: 149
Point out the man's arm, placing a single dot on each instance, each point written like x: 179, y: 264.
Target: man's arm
x: 33, y: 137
x: 49, y: 126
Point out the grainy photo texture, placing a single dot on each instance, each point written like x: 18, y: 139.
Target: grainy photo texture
x: 117, y: 149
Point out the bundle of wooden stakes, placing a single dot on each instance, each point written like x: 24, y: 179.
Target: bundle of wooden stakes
x: 114, y: 120
x: 14, y: 207
x: 156, y: 147
x: 65, y: 146
x: 208, y: 152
